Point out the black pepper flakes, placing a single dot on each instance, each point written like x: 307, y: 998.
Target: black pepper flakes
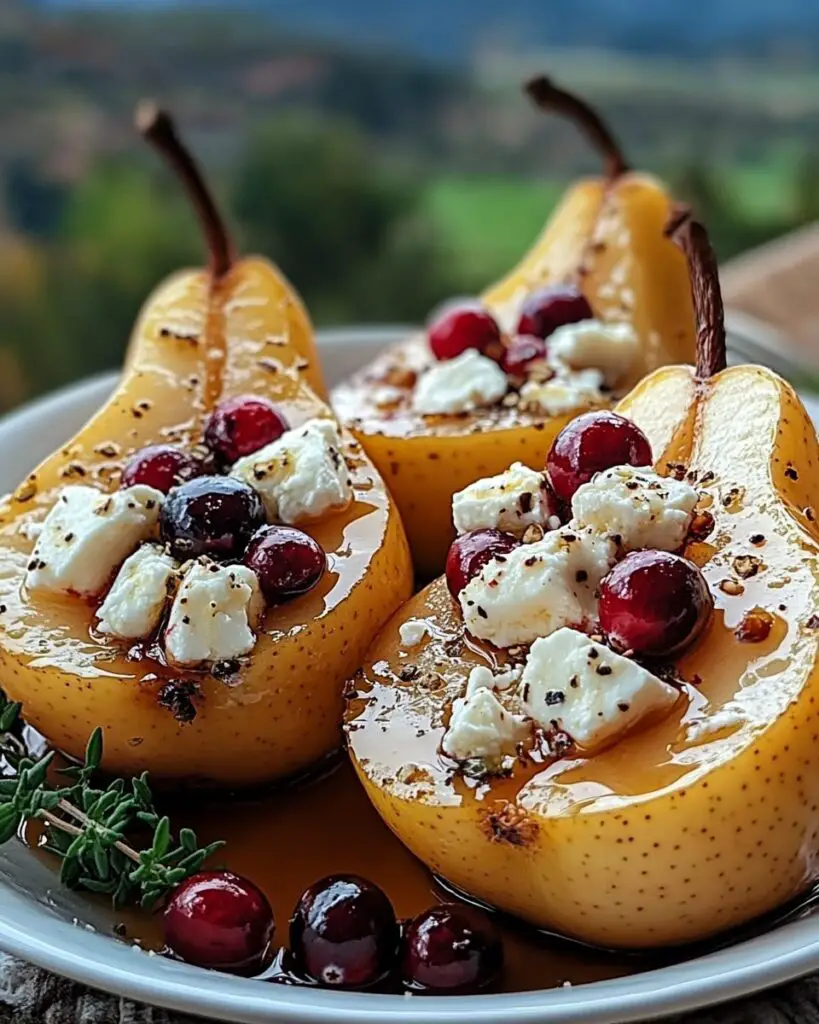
x: 604, y: 670
x: 746, y: 566
x: 554, y: 697
x: 178, y: 698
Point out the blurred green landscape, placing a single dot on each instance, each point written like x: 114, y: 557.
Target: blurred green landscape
x: 381, y: 181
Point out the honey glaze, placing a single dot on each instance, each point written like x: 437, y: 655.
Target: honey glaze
x: 289, y: 839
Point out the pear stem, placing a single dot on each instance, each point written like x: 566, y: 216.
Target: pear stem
x: 550, y: 97
x: 690, y: 235
x: 157, y: 126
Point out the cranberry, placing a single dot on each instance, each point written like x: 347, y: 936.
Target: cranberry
x: 591, y: 443
x: 470, y: 552
x: 161, y: 466
x: 462, y: 326
x: 654, y: 603
x: 549, y: 308
x: 287, y: 561
x: 219, y: 920
x: 451, y: 948
x: 521, y: 352
x: 343, y: 932
x: 242, y: 425
x: 212, y: 515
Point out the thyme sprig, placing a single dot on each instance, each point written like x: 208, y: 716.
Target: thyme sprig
x: 95, y: 832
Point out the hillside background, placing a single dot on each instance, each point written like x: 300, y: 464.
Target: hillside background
x: 380, y: 151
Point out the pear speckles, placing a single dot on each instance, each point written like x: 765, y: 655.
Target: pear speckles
x: 27, y: 489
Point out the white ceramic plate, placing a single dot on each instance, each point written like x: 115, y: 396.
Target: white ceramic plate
x: 39, y: 920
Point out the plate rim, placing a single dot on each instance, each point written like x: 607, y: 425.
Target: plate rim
x: 784, y: 953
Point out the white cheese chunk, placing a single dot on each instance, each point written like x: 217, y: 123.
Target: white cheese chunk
x: 87, y: 535
x: 483, y: 678
x: 302, y: 475
x: 214, y: 614
x: 537, y: 588
x: 571, y: 683
x: 134, y: 604
x: 29, y: 530
x: 565, y: 392
x: 511, y: 501
x: 459, y: 385
x: 642, y: 508
x: 480, y: 726
x: 413, y: 631
x: 610, y: 348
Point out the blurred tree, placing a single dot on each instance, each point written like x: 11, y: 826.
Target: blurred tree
x: 121, y: 232
x: 352, y: 236
x: 33, y: 205
x: 806, y: 188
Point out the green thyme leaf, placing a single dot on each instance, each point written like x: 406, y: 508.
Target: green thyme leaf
x: 89, y: 828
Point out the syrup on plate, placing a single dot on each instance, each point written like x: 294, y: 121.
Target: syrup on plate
x: 286, y: 840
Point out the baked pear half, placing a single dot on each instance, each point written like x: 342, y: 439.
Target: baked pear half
x: 204, y: 564
x: 698, y: 808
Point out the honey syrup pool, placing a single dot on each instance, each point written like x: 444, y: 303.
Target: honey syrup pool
x: 287, y: 840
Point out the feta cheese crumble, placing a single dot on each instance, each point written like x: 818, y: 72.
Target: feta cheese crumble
x: 571, y: 683
x: 302, y: 475
x: 564, y: 392
x: 88, y: 534
x: 480, y: 726
x: 537, y: 588
x: 214, y: 614
x: 459, y: 385
x: 413, y: 631
x: 642, y: 508
x: 134, y: 604
x: 610, y: 348
x: 511, y: 501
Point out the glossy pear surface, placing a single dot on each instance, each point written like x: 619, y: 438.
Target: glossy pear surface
x: 196, y: 342
x: 697, y: 823
x: 610, y: 238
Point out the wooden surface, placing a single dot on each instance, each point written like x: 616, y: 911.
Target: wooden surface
x: 778, y: 284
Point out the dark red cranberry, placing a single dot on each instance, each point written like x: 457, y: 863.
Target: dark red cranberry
x: 470, y: 552
x: 654, y: 603
x: 343, y: 932
x: 161, y: 466
x: 521, y: 352
x: 212, y: 515
x: 451, y: 948
x: 549, y: 308
x: 219, y: 920
x: 287, y: 561
x: 463, y: 326
x: 591, y: 443
x: 242, y: 425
